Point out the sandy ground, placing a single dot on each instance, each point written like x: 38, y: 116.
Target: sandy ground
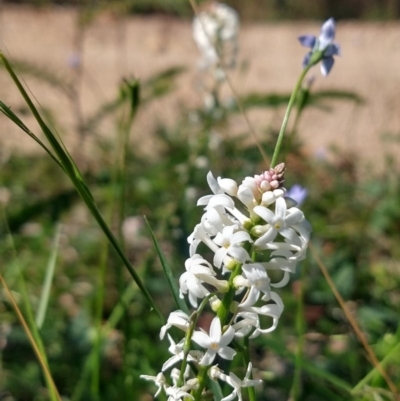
x: 142, y: 46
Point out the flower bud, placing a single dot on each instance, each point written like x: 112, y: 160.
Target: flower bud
x: 215, y: 303
x: 240, y: 281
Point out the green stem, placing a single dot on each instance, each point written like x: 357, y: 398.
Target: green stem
x: 224, y: 308
x: 223, y: 313
x: 246, y: 359
x: 189, y: 334
x: 287, y: 115
x: 202, y: 377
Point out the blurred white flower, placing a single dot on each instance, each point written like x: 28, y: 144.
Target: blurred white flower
x: 215, y: 31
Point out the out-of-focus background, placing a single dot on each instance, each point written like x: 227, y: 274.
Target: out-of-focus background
x: 115, y: 39
x: 119, y: 82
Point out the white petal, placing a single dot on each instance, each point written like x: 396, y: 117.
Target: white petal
x: 239, y: 237
x: 170, y: 362
x: 213, y: 184
x: 203, y: 201
x: 251, y: 299
x: 280, y: 208
x: 229, y: 186
x: 245, y: 195
x: 219, y: 257
x: 215, y: 330
x: 283, y: 282
x: 227, y: 352
x: 227, y: 337
x: 269, y: 236
x: 294, y: 216
x: 201, y: 338
x: 238, y: 253
x: 221, y: 199
x: 265, y: 214
x: 208, y: 357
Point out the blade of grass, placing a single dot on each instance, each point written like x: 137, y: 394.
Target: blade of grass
x: 39, y: 354
x: 116, y: 315
x: 180, y: 303
x: 11, y: 115
x: 74, y: 174
x: 31, y: 325
x: 353, y: 323
x: 392, y: 355
x: 45, y: 296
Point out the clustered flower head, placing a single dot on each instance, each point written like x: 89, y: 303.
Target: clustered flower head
x: 250, y: 238
x: 215, y: 31
x: 322, y: 48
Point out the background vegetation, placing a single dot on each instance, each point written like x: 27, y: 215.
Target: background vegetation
x: 96, y: 327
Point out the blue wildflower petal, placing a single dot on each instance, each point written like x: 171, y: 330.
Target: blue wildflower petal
x: 326, y: 65
x: 306, y: 59
x: 307, y: 40
x: 297, y: 193
x: 332, y: 50
x: 327, y: 31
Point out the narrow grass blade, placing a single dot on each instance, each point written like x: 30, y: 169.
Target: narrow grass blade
x: 16, y: 120
x: 43, y: 74
x: 180, y: 303
x: 75, y: 176
x: 392, y: 356
x: 51, y: 265
x: 41, y: 358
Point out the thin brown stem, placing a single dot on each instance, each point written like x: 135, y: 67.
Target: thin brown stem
x: 359, y: 333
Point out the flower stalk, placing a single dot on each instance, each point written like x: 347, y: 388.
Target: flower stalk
x: 250, y: 229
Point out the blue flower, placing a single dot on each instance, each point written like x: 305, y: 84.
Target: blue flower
x: 297, y: 193
x: 322, y: 48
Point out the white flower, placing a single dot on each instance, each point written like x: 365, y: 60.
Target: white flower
x: 260, y: 283
x: 284, y: 260
x: 270, y: 310
x: 215, y: 33
x: 238, y: 384
x: 178, y: 354
x: 178, y: 319
x: 247, y: 317
x: 215, y: 188
x: 176, y: 393
x: 217, y: 374
x: 248, y: 321
x: 159, y: 381
x: 231, y: 244
x: 215, y: 343
x: 283, y: 221
x: 190, y: 282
